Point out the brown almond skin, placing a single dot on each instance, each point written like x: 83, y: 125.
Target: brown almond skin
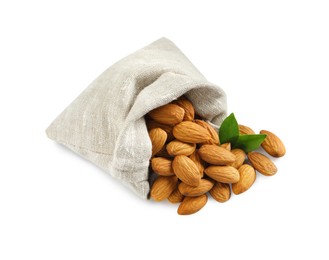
x: 151, y: 124
x: 245, y: 130
x: 273, y: 144
x: 216, y: 155
x: 184, y: 103
x: 204, y: 186
x: 190, y: 132
x: 195, y: 157
x: 212, y: 132
x: 240, y: 158
x: 192, y: 205
x: 176, y: 147
x: 176, y: 196
x: 162, y: 166
x: 262, y: 163
x: 221, y: 192
x: 169, y: 114
x: 247, y: 179
x: 186, y: 170
x: 225, y: 174
x: 162, y: 187
x: 158, y: 139
x: 227, y: 146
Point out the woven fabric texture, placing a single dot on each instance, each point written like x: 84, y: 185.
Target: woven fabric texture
x: 105, y: 123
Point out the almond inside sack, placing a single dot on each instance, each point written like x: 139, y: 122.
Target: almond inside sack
x: 105, y: 123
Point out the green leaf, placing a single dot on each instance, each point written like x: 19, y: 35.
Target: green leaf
x: 249, y: 143
x: 229, y: 130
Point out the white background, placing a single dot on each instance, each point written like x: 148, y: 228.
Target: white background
x: 271, y: 58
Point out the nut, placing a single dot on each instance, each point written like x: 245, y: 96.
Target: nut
x: 204, y: 186
x: 162, y: 166
x: 225, y: 174
x: 162, y: 187
x: 167, y: 128
x: 247, y: 178
x: 273, y: 145
x: 216, y: 155
x: 158, y: 139
x: 176, y: 196
x: 195, y: 157
x: 179, y: 148
x: 192, y: 205
x: 189, y: 160
x: 227, y: 146
x: 245, y: 130
x: 191, y: 132
x: 186, y: 170
x: 169, y: 114
x: 213, y: 134
x: 187, y: 106
x: 262, y: 163
x: 221, y: 192
x: 240, y: 158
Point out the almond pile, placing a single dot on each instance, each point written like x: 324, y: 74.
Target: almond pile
x: 190, y: 161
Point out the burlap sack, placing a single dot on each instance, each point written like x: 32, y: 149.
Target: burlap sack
x: 106, y: 125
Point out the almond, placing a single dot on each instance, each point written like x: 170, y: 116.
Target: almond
x: 204, y: 186
x: 245, y: 130
x: 240, y: 158
x: 192, y: 205
x: 247, y: 178
x: 176, y: 196
x: 162, y: 187
x: 212, y: 132
x: 216, y: 155
x: 162, y: 166
x: 158, y: 138
x: 195, y: 157
x: 262, y: 163
x: 180, y: 148
x: 186, y: 170
x: 221, y: 192
x: 187, y: 106
x: 191, y: 132
x: 225, y: 174
x: 169, y: 114
x: 273, y: 145
x: 153, y: 124
x: 227, y: 146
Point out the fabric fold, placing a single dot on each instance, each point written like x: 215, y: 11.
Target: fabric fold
x: 105, y: 123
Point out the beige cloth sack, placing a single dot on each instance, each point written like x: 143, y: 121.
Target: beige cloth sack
x: 105, y: 123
